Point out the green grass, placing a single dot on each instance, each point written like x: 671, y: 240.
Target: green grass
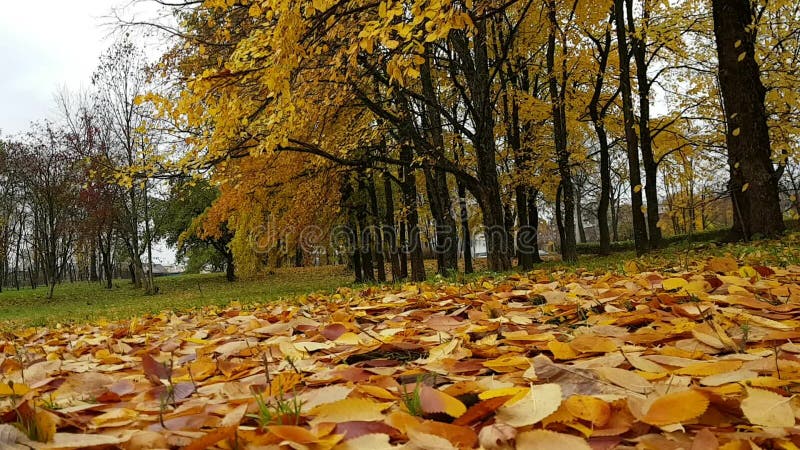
x: 84, y: 302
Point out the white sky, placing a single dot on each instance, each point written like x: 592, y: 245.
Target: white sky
x: 46, y: 45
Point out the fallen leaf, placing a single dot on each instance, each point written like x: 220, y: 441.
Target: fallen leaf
x: 539, y: 402
x: 678, y: 407
x: 767, y: 409
x: 550, y: 440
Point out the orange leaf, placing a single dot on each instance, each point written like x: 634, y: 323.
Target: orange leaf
x: 589, y: 408
x: 212, y: 438
x: 293, y: 433
x: 710, y: 368
x: 480, y: 410
x: 562, y: 350
x: 677, y: 407
x: 460, y: 436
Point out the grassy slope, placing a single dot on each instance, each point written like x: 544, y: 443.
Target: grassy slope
x: 83, y: 302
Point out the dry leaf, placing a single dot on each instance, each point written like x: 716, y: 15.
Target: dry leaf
x: 589, y: 408
x: 678, y: 407
x: 625, y: 379
x: 768, y: 409
x: 434, y: 401
x: 550, y: 440
x: 348, y: 410
x: 538, y: 403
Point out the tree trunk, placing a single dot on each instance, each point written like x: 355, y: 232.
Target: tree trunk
x: 93, y: 275
x: 474, y: 57
x: 436, y: 180
x: 230, y: 267
x: 353, y: 245
x: 533, y: 223
x: 557, y: 98
x: 376, y: 229
x: 409, y: 184
x: 754, y: 181
x: 389, y: 229
x: 605, y: 190
x: 298, y: 255
x: 524, y: 234
x: 403, y: 253
x: 466, y: 235
x: 579, y: 218
x: 560, y: 220
x: 639, y: 50
x: 631, y: 140
x: 366, y: 240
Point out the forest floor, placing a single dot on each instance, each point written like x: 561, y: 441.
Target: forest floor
x: 690, y: 347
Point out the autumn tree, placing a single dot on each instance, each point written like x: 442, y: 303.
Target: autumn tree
x: 120, y: 80
x: 754, y: 180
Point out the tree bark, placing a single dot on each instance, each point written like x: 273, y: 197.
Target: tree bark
x: 389, y: 229
x: 754, y: 180
x: 560, y: 219
x: 533, y: 223
x: 639, y: 49
x: 414, y: 244
x: 631, y: 140
x: 474, y: 59
x: 558, y: 97
x: 230, y: 267
x: 376, y: 227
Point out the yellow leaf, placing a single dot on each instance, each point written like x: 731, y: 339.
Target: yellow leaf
x: 540, y: 401
x: 45, y: 424
x: 562, y: 350
x: 116, y: 417
x: 631, y: 268
x: 671, y: 284
x: 510, y: 363
x: 637, y: 188
x: 742, y: 56
x: 593, y: 344
x: 676, y: 408
x: 17, y: 390
x: 348, y: 410
x: 501, y: 392
x: 745, y: 187
x: 768, y: 409
x: 589, y: 408
x: 736, y: 131
x: 709, y: 368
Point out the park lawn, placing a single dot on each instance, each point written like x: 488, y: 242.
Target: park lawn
x: 84, y: 302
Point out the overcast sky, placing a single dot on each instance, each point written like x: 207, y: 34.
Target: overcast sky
x: 45, y: 45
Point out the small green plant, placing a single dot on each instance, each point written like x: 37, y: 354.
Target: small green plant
x: 50, y: 403
x: 277, y: 411
x: 412, y: 401
x: 745, y: 327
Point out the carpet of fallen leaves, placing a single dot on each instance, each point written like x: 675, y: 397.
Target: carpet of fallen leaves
x: 699, y: 359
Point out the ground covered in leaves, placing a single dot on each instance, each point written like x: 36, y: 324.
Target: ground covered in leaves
x: 699, y: 356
